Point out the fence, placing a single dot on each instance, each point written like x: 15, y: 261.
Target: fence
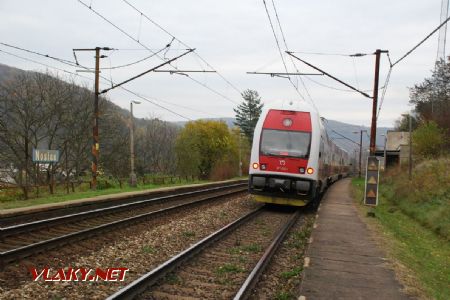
x: 83, y: 185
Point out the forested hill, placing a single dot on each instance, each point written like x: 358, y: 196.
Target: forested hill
x: 334, y: 127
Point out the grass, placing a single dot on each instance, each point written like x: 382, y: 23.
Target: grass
x: 188, y: 234
x: 10, y: 202
x: 245, y: 249
x: 229, y: 268
x: 291, y: 273
x: 283, y: 296
x: 408, y: 216
x: 148, y: 249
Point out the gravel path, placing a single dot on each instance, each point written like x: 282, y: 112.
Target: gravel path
x: 140, y: 248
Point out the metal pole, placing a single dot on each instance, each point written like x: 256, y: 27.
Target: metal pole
x: 240, y: 160
x: 95, y: 139
x: 132, y: 174
x: 410, y: 148
x: 360, y: 152
x: 384, y: 152
x: 373, y: 128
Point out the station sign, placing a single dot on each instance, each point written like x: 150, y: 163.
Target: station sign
x: 372, y: 179
x: 45, y: 156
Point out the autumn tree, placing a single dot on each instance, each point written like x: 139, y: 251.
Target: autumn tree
x: 431, y: 98
x: 202, y: 144
x: 428, y: 140
x: 248, y: 112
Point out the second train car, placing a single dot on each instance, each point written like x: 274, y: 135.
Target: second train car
x: 292, y: 159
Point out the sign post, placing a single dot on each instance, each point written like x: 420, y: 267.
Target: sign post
x: 372, y: 178
x: 46, y: 157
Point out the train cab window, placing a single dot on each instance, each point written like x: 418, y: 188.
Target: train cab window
x: 285, y: 143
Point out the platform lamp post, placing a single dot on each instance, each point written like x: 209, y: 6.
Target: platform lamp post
x: 410, y: 146
x: 360, y: 149
x: 133, y: 179
x: 384, y: 151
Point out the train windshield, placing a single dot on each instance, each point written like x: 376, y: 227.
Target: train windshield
x: 285, y: 143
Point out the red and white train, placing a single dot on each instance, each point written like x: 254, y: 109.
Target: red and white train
x: 292, y: 160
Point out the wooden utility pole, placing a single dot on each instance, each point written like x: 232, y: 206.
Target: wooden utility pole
x: 95, y: 135
x: 95, y: 140
x: 373, y: 127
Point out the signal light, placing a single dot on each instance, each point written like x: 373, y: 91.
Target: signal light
x: 310, y: 171
x: 255, y: 166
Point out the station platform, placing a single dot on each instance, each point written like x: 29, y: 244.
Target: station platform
x: 342, y: 260
x: 105, y: 200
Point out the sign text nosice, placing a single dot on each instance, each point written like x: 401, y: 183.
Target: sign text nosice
x: 45, y: 156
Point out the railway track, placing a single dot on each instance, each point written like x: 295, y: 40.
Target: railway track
x: 226, y: 264
x: 27, y: 217
x: 22, y: 240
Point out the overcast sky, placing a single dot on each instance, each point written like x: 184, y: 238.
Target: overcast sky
x: 234, y: 37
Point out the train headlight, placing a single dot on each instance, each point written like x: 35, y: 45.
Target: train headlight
x: 287, y: 122
x: 255, y: 166
x: 301, y: 170
x: 263, y: 166
x: 310, y: 171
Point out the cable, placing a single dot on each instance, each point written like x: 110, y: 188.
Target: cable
x: 69, y: 72
x: 135, y: 62
x: 42, y: 64
x: 182, y: 43
x: 384, y: 91
x: 343, y: 136
x: 279, y: 50
x: 421, y: 42
x: 137, y: 41
x: 292, y: 60
x: 40, y: 54
x: 333, y: 54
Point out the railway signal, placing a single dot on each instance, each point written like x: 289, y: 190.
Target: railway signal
x: 372, y: 179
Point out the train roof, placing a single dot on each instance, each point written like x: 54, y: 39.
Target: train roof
x: 292, y: 105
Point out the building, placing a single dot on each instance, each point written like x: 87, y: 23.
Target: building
x: 397, y: 149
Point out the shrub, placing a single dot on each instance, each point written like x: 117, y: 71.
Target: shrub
x: 428, y: 140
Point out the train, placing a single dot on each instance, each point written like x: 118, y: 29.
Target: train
x: 293, y: 160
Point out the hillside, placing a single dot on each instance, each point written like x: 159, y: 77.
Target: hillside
x: 344, y: 129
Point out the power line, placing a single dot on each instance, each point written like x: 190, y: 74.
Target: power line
x: 182, y: 43
x: 343, y: 136
x: 421, y: 42
x: 143, y: 45
x: 137, y: 61
x: 292, y: 60
x: 333, y: 54
x: 71, y: 63
x: 42, y: 64
x: 143, y: 73
x: 384, y: 90
x: 78, y: 75
x: 279, y: 49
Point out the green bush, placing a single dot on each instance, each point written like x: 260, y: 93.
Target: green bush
x: 428, y: 140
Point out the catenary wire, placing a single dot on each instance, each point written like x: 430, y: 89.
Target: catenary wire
x: 143, y: 45
x: 291, y: 58
x: 279, y: 49
x: 182, y: 43
x: 85, y: 77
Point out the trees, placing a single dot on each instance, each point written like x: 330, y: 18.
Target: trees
x: 248, y: 112
x: 155, y: 147
x: 201, y: 145
x: 428, y: 140
x: 431, y: 97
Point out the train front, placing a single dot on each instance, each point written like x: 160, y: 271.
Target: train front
x: 284, y: 157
